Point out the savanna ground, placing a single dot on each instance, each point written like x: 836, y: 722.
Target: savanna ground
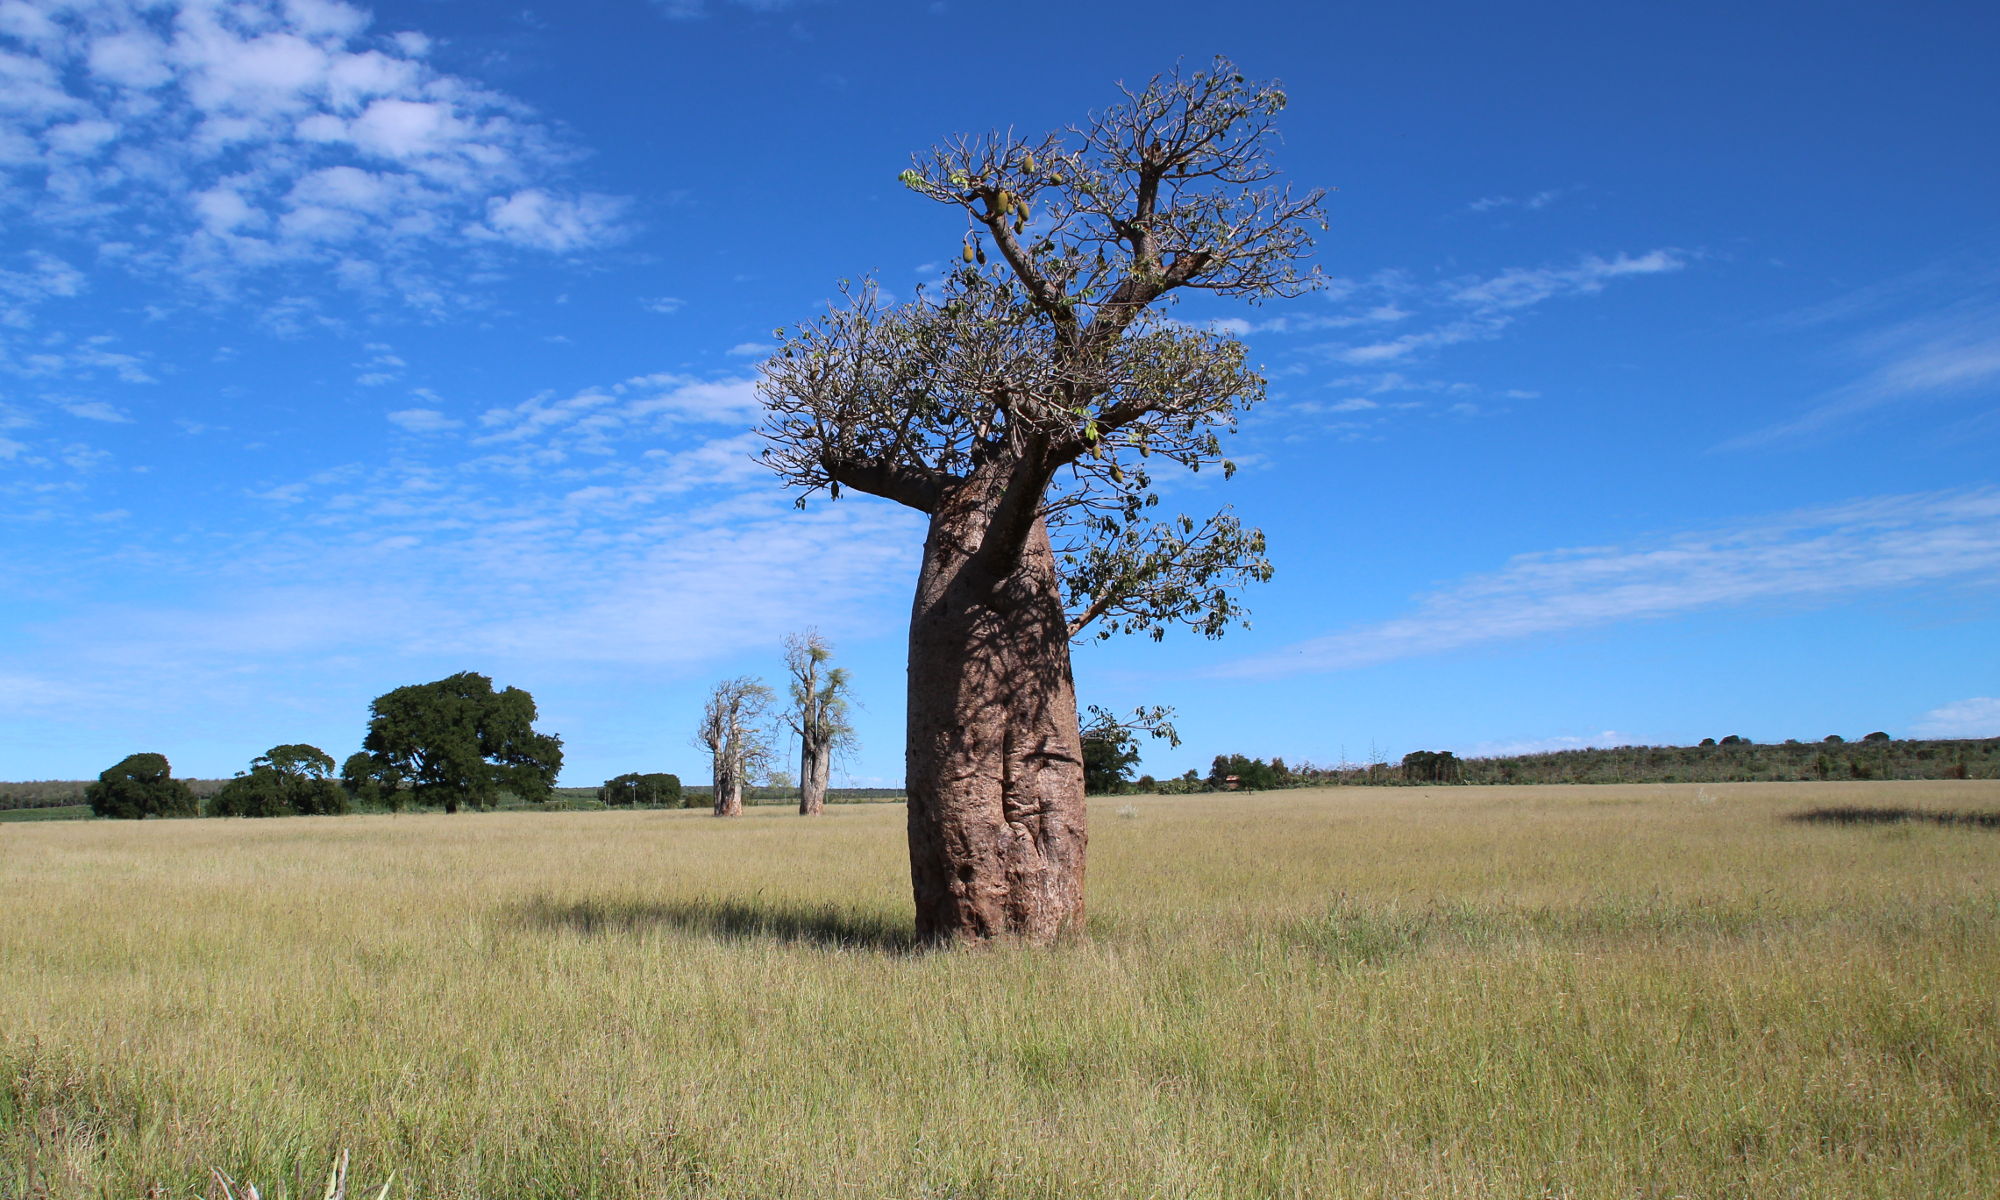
x: 1644, y: 991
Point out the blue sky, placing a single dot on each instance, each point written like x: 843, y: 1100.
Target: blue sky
x: 1654, y: 395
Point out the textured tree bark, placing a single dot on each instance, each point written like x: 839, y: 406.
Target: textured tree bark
x: 728, y: 792
x: 994, y: 761
x: 815, y: 766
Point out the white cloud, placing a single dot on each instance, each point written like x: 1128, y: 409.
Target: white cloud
x: 1817, y: 555
x: 1539, y: 200
x: 60, y: 357
x: 752, y: 349
x: 537, y: 219
x: 424, y: 420
x: 1978, y: 717
x: 1463, y: 309
x: 689, y: 10
x: 1545, y: 745
x: 262, y: 133
x: 1398, y: 349
x: 1519, y: 287
x: 91, y: 410
x: 664, y: 305
x: 591, y: 419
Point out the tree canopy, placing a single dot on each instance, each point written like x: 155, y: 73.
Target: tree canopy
x: 735, y: 730
x: 285, y: 780
x: 818, y: 715
x: 140, y: 786
x: 459, y: 742
x: 1022, y: 405
x: 1052, y: 353
x: 650, y: 790
x: 1111, y: 745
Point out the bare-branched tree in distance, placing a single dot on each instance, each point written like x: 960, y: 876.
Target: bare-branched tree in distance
x: 818, y: 715
x: 735, y: 731
x: 1022, y: 408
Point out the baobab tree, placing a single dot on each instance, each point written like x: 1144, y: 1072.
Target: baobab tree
x: 818, y: 715
x: 1021, y: 407
x: 734, y: 731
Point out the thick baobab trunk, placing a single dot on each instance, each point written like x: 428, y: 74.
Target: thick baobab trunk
x: 815, y: 764
x: 995, y: 766
x: 728, y: 793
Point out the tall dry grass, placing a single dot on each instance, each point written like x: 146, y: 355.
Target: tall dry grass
x: 1604, y: 992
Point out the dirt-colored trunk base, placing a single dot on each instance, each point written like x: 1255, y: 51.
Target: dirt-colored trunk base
x: 815, y: 767
x: 995, y: 766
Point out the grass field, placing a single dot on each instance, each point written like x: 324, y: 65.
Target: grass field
x: 1648, y: 991
x: 64, y: 812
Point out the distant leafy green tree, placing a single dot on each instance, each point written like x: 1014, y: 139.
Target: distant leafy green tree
x: 460, y: 742
x: 1431, y: 766
x: 1877, y: 736
x: 289, y: 780
x: 140, y: 786
x: 1111, y: 745
x: 1834, y: 739
x: 372, y: 782
x: 1251, y: 774
x: 1108, y: 755
x: 655, y: 789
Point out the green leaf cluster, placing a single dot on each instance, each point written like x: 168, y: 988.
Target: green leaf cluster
x: 458, y: 742
x: 289, y: 780
x: 652, y: 790
x: 140, y: 786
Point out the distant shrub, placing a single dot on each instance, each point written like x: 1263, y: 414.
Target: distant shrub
x: 1240, y: 773
x: 657, y: 789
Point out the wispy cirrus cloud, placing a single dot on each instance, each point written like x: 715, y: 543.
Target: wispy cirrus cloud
x: 1816, y: 555
x: 591, y: 420
x: 1441, y: 313
x: 693, y: 10
x: 1535, y: 202
x: 1947, y: 351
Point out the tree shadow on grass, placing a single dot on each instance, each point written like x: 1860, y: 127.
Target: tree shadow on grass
x: 1893, y: 815
x: 824, y: 925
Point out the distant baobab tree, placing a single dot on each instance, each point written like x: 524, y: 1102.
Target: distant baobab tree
x: 734, y: 730
x: 818, y: 714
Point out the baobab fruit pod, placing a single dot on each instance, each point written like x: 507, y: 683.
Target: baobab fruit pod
x: 1028, y: 161
x: 968, y: 252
